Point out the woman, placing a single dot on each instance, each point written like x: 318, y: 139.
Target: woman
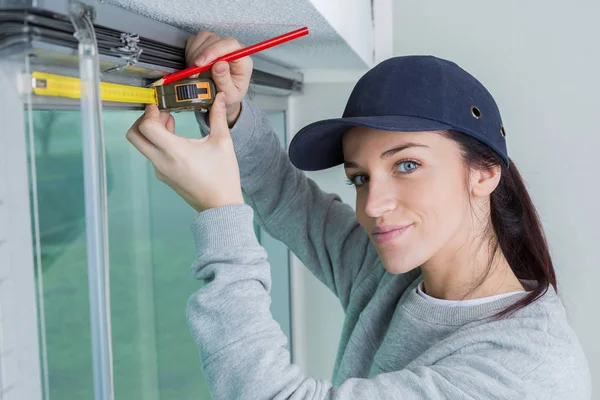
x: 443, y: 273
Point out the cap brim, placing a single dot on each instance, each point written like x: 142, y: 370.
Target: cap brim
x: 319, y: 145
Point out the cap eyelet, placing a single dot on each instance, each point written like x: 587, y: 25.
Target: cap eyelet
x: 475, y: 111
x: 502, y: 131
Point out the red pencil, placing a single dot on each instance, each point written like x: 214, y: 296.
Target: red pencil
x: 246, y: 51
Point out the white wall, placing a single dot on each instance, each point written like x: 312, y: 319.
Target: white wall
x: 540, y: 61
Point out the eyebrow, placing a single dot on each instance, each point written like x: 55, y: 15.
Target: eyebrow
x: 387, y: 153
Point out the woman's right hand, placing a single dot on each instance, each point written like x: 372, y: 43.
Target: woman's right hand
x: 233, y: 78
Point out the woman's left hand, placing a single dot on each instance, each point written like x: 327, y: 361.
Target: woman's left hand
x: 203, y: 171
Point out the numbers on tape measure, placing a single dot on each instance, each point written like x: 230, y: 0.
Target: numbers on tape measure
x: 46, y: 84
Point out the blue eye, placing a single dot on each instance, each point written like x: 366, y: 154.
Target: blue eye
x: 404, y: 167
x: 407, y: 166
x: 356, y: 180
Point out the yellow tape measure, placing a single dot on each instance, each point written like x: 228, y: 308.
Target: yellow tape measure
x: 45, y: 84
x: 187, y: 94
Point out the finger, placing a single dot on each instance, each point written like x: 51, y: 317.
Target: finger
x: 171, y: 124
x: 164, y: 116
x: 218, y: 117
x: 218, y: 49
x: 154, y: 129
x: 199, y: 61
x: 241, y: 65
x: 233, y: 78
x: 234, y: 86
x: 194, y: 47
x: 193, y: 41
x: 241, y: 69
x: 188, y: 46
x: 199, y: 55
x: 222, y: 78
x: 136, y: 124
x: 195, y: 44
x: 140, y: 142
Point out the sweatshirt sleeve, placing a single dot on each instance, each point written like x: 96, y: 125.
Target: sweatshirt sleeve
x: 243, y: 348
x: 317, y: 226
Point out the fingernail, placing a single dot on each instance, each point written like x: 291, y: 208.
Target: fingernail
x: 223, y: 99
x: 200, y: 61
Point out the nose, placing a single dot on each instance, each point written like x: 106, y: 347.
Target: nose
x: 380, y: 198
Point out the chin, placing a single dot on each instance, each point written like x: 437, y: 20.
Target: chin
x: 399, y: 264
x: 403, y: 254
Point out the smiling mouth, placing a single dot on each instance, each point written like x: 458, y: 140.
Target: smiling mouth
x: 389, y: 236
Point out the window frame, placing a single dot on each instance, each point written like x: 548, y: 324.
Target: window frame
x: 20, y: 351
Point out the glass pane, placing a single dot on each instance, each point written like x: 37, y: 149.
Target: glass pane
x: 58, y: 161
x: 151, y: 250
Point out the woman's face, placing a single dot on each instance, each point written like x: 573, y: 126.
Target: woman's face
x: 412, y: 185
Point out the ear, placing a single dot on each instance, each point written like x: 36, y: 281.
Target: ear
x: 484, y: 181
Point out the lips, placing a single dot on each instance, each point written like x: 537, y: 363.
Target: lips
x: 388, y: 228
x: 388, y: 233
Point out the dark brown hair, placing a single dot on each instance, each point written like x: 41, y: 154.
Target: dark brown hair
x: 515, y: 224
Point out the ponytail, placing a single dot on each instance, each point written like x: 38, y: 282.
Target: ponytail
x: 516, y: 225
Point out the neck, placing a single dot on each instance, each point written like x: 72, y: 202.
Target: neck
x: 456, y: 272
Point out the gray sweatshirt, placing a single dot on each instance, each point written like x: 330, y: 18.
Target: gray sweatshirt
x: 395, y: 344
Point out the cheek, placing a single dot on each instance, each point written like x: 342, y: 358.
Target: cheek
x: 443, y: 208
x: 438, y: 205
x: 431, y: 200
x: 441, y: 200
x: 436, y: 201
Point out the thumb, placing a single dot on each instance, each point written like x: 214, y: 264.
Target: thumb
x: 152, y: 113
x: 221, y: 75
x: 217, y: 117
x: 171, y: 124
x: 163, y: 117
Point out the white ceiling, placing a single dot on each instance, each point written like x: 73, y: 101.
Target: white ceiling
x: 257, y: 20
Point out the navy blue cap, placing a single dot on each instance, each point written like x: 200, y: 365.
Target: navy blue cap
x: 409, y: 94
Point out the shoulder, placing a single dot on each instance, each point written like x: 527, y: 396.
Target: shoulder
x: 539, y: 344
x: 564, y: 367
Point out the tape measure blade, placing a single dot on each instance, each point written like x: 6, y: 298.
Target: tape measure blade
x: 45, y: 84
